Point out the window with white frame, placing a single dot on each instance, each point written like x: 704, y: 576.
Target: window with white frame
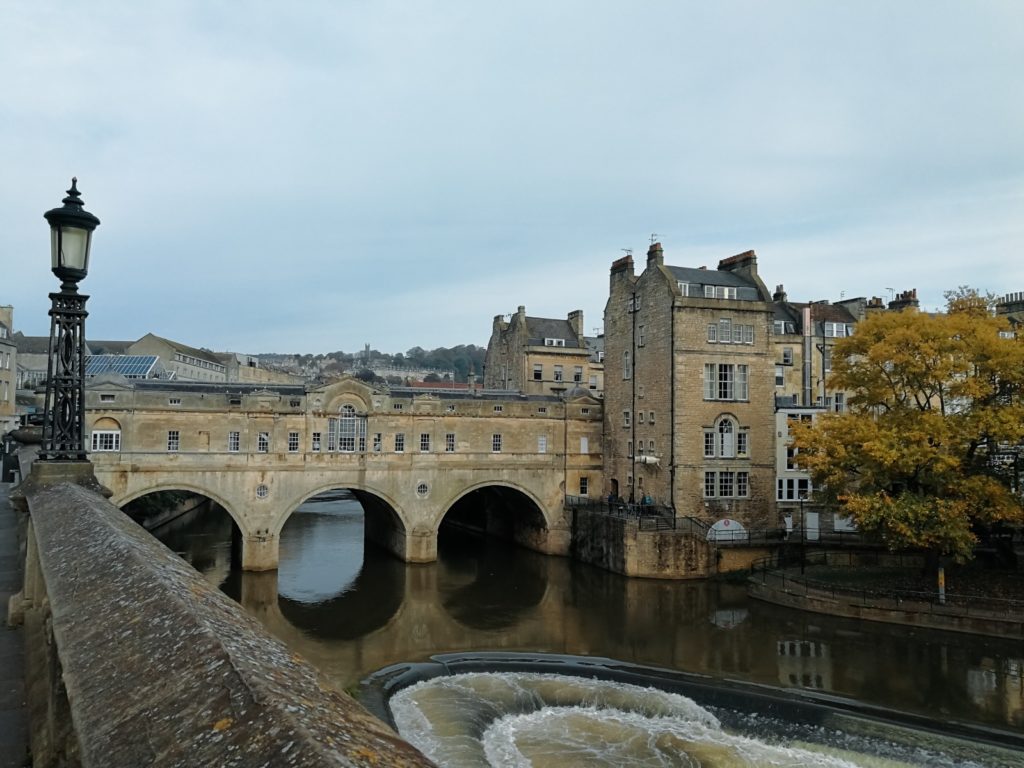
x: 780, y: 375
x: 558, y: 373
x: 424, y: 442
x: 792, y: 488
x: 726, y: 484
x: 293, y: 442
x: 173, y: 440
x: 538, y: 372
x: 593, y: 381
x: 725, y: 440
x: 627, y: 418
x: 397, y: 406
x: 316, y: 442
x: 449, y: 442
x: 719, y: 292
x: 839, y: 402
x: 234, y: 442
x: 826, y: 359
x: 106, y: 440
x: 584, y: 486
x: 712, y: 333
x: 577, y: 374
x: 838, y: 330
x: 726, y: 381
x: 584, y: 411
x: 787, y: 355
x: 542, y: 443
x: 640, y: 335
x: 542, y: 409
x: 174, y: 401
x: 627, y: 367
x: 783, y: 327
x: 496, y: 443
x: 554, y: 342
x: 399, y: 442
x: 378, y: 442
x: 499, y: 408
x: 263, y: 442
x: 350, y: 428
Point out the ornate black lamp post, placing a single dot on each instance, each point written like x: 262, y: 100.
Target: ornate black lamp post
x: 71, y: 228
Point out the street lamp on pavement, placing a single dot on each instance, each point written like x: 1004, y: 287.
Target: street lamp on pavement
x: 71, y: 228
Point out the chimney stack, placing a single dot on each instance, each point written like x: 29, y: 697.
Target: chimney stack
x: 655, y: 255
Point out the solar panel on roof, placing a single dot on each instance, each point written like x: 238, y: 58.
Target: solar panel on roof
x: 129, y: 366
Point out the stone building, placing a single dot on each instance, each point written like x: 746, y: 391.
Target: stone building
x: 186, y: 363
x: 804, y: 337
x: 689, y: 396
x: 542, y: 356
x: 8, y: 372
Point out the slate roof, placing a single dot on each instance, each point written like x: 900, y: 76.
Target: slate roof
x: 108, y: 347
x: 201, y: 354
x: 31, y: 345
x: 710, y: 277
x: 540, y: 328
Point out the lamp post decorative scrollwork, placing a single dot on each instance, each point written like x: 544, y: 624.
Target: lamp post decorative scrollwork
x: 71, y: 228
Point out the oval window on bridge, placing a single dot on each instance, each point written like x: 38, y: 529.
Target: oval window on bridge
x: 422, y: 490
x: 262, y: 491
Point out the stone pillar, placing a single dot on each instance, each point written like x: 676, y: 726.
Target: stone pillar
x: 420, y: 546
x: 260, y: 551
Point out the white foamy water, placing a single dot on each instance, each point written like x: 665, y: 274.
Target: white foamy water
x: 533, y: 720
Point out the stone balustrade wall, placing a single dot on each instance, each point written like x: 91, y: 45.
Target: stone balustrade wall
x: 133, y: 659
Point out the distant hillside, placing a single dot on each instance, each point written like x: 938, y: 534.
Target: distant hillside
x: 456, y: 361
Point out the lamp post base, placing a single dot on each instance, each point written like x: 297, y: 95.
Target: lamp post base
x: 45, y: 474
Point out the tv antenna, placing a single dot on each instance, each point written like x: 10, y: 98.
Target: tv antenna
x: 627, y: 251
x: 654, y: 237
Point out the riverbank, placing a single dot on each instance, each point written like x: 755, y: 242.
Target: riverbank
x: 976, y: 601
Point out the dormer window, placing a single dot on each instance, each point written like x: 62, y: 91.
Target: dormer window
x: 838, y: 330
x: 554, y: 342
x: 719, y: 292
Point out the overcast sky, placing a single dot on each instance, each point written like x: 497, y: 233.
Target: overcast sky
x: 312, y: 176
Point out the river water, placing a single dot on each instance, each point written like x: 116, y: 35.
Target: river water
x: 352, y: 610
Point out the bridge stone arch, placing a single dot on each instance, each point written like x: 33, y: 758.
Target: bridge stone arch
x: 176, y: 485
x: 532, y: 529
x: 289, y: 506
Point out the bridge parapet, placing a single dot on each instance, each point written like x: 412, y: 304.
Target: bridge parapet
x: 134, y: 659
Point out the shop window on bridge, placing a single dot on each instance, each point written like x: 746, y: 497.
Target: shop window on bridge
x: 234, y: 441
x: 263, y: 442
x: 293, y: 442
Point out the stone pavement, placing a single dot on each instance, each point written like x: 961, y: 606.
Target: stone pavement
x: 13, y: 716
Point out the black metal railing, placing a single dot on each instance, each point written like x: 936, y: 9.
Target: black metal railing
x: 648, y: 517
x: 769, y: 572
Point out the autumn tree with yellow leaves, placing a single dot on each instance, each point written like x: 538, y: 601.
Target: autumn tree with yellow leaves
x: 924, y: 453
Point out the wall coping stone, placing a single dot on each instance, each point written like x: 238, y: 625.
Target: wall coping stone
x: 162, y: 669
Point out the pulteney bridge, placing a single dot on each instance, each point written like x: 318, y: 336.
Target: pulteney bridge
x: 497, y: 460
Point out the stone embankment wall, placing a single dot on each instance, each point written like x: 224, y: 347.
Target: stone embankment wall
x: 792, y: 593
x: 134, y: 659
x: 617, y: 544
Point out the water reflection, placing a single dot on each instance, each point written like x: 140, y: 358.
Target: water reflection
x: 352, y: 610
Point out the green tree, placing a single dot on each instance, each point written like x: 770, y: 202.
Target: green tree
x: 935, y: 403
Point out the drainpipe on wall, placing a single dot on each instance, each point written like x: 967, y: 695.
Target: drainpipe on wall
x: 808, y: 347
